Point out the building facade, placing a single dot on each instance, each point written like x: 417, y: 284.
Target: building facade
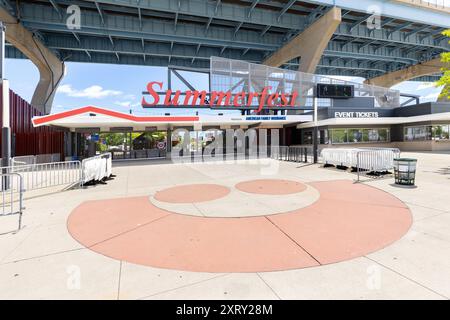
x: 357, y: 122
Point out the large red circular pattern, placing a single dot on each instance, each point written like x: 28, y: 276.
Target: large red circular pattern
x: 349, y: 220
x: 271, y: 186
x: 192, y: 193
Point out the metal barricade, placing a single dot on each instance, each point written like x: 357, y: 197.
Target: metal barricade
x: 21, y: 160
x: 291, y: 153
x: 11, y: 189
x: 44, y: 175
x: 338, y: 156
x: 375, y: 160
x: 36, y: 159
x: 48, y: 158
x: 96, y: 168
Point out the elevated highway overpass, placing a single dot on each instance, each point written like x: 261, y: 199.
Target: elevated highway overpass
x: 367, y: 38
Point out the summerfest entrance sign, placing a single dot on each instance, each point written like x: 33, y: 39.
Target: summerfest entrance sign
x: 218, y: 98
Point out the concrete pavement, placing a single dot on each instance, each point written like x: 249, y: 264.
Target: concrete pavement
x: 43, y: 261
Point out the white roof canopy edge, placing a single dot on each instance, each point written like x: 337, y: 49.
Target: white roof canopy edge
x: 94, y: 117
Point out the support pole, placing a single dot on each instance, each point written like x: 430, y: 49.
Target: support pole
x: 316, y: 132
x: 169, y: 143
x: 6, y: 130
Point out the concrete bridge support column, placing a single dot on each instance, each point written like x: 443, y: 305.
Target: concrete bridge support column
x: 308, y: 45
x: 51, y: 69
x: 421, y: 69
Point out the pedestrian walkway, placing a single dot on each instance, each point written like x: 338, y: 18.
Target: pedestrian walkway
x: 291, y: 231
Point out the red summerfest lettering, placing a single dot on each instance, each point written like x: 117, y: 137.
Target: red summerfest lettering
x: 218, y: 98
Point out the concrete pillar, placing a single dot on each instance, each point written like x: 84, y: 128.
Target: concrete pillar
x: 310, y: 44
x: 51, y: 69
x: 426, y: 68
x: 77, y: 152
x: 92, y: 148
x: 390, y: 79
x: 68, y: 144
x: 169, y: 143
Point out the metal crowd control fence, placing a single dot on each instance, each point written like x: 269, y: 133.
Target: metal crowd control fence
x: 12, y: 195
x: 96, y: 168
x: 40, y: 158
x: 21, y: 160
x: 376, y: 160
x: 18, y: 178
x: 139, y: 154
x: 339, y: 156
x: 44, y: 175
x: 291, y: 153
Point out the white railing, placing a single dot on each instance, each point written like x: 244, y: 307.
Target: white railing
x: 96, y: 168
x: 21, y: 160
x: 364, y: 160
x: 138, y: 154
x: 339, y: 156
x: 376, y: 160
x: 36, y: 159
x: 292, y: 153
x: 11, y: 188
x: 369, y: 159
x: 44, y: 175
x: 438, y: 4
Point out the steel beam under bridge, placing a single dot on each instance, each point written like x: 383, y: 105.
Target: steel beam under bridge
x: 393, y: 9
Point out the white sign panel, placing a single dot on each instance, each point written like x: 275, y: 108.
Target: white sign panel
x: 355, y: 114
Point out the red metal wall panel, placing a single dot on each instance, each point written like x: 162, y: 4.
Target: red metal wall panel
x: 30, y: 140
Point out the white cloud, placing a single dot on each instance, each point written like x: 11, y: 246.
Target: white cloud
x: 65, y: 88
x: 93, y: 92
x: 129, y: 97
x: 123, y: 104
x: 126, y: 104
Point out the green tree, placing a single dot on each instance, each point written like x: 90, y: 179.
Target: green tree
x: 445, y: 79
x: 112, y: 139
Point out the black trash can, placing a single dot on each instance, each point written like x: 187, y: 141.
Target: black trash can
x: 405, y: 171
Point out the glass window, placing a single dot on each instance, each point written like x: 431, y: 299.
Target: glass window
x: 358, y: 135
x: 323, y: 136
x: 355, y: 135
x: 384, y: 135
x: 339, y: 136
x: 420, y: 133
x: 440, y: 132
x: 308, y: 137
x: 409, y: 134
x: 373, y: 135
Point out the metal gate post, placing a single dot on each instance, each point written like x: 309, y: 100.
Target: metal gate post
x: 316, y: 132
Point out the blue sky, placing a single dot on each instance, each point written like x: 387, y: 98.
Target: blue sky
x: 120, y: 87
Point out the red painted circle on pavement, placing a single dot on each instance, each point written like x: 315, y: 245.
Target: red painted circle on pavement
x: 349, y: 220
x: 192, y: 193
x: 271, y: 186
